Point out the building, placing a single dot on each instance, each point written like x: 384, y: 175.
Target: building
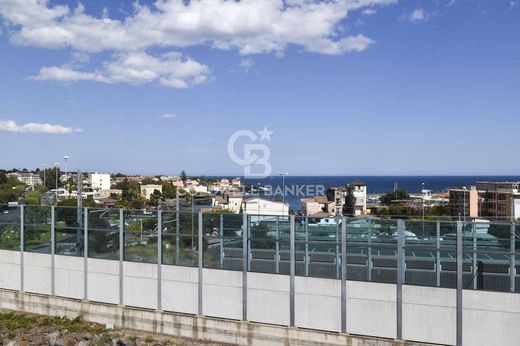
x: 356, y: 199
x: 491, y: 200
x: 148, y: 190
x: 99, y: 181
x: 231, y: 202
x: 465, y: 203
x: 313, y: 205
x: 260, y: 206
x: 501, y: 200
x: 29, y: 179
x: 337, y: 195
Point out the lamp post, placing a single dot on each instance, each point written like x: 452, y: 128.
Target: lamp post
x: 464, y: 202
x: 283, y: 190
x: 56, y: 165
x: 66, y: 159
x: 44, y: 171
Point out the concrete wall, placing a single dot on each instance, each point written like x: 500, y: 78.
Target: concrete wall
x: 429, y: 313
x: 103, y: 281
x: 180, y: 289
x: 268, y: 298
x: 37, y: 273
x: 69, y: 276
x: 222, y: 293
x: 490, y: 318
x: 371, y: 309
x: 10, y: 269
x: 318, y: 303
x: 140, y: 285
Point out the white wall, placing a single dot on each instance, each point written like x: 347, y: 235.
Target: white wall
x: 69, y: 276
x: 268, y: 298
x: 222, y: 293
x: 429, y: 314
x: 103, y: 281
x: 490, y: 318
x: 371, y: 309
x: 180, y: 289
x: 37, y: 273
x: 10, y: 269
x: 318, y: 303
x: 140, y: 285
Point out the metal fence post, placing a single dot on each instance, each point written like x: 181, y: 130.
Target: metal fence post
x: 22, y: 246
x: 159, y: 260
x: 53, y: 250
x: 245, y: 259
x: 177, y: 227
x: 512, y: 266
x: 338, y: 250
x: 438, y: 256
x: 293, y: 269
x: 121, y: 253
x: 459, y: 282
x: 307, y: 256
x: 221, y: 241
x: 369, y: 252
x: 85, y: 255
x: 400, y: 276
x: 277, y: 250
x: 343, y: 275
x: 474, y: 257
x: 201, y: 259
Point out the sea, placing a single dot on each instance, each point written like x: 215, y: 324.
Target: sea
x: 298, y: 187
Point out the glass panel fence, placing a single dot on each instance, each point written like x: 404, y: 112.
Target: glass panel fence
x: 180, y: 238
x: 140, y: 236
x: 103, y: 233
x: 223, y: 241
x: 37, y: 229
x: 9, y: 228
x: 69, y: 231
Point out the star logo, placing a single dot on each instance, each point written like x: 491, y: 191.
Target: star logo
x: 265, y: 134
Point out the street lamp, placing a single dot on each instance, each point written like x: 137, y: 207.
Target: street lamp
x: 464, y: 202
x: 44, y: 171
x: 56, y: 165
x: 283, y: 189
x: 66, y: 159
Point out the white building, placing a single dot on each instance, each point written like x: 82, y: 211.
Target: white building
x: 260, y: 206
x: 147, y: 190
x: 30, y: 179
x: 99, y: 181
x: 231, y: 202
x: 356, y: 201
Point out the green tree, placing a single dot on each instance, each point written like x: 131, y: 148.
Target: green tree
x: 50, y: 177
x: 168, y: 191
x: 155, y: 198
x: 398, y: 195
x: 184, y: 177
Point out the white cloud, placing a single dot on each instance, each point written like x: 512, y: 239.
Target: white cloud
x: 12, y: 126
x: 418, y: 15
x: 168, y: 116
x: 368, y: 12
x: 248, y: 26
x: 246, y: 64
x: 252, y: 27
x: 136, y: 68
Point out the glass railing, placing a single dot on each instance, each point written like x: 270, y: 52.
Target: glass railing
x: 490, y: 256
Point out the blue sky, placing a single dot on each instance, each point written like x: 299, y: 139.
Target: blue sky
x: 365, y: 87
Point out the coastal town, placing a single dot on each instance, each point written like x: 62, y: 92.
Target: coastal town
x: 494, y: 201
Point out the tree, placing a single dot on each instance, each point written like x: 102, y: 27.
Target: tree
x: 184, y: 177
x: 398, y: 195
x: 50, y: 177
x: 155, y: 198
x: 168, y: 191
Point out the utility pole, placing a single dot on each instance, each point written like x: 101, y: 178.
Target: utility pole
x: 79, y: 184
